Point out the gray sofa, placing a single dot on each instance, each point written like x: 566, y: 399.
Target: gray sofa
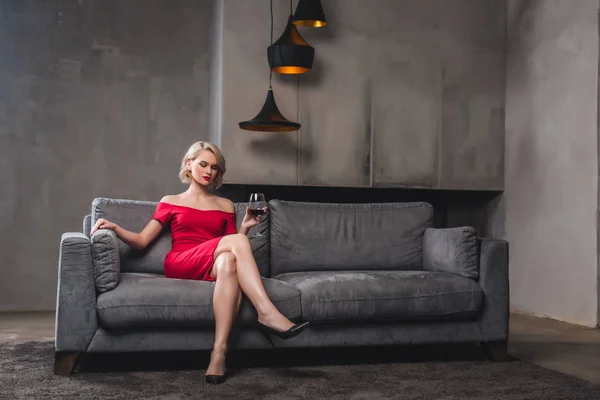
x: 363, y: 274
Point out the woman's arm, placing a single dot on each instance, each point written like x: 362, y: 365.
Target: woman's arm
x: 138, y: 241
x: 244, y: 230
x: 248, y: 222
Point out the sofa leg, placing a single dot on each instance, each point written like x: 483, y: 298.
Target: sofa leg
x: 65, y: 362
x: 496, y: 351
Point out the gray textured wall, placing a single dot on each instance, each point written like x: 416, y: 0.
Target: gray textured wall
x: 402, y: 93
x: 99, y: 98
x: 551, y: 195
x: 254, y: 157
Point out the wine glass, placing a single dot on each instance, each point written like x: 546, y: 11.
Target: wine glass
x: 258, y: 207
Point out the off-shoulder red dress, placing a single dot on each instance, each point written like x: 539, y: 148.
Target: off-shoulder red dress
x: 195, y: 236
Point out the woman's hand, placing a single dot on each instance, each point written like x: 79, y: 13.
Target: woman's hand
x: 249, y: 220
x: 103, y: 224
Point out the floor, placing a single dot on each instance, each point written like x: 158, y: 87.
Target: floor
x: 570, y: 349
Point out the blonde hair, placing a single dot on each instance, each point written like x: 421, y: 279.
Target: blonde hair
x: 185, y: 174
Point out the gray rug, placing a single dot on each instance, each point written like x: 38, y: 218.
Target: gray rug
x: 381, y: 373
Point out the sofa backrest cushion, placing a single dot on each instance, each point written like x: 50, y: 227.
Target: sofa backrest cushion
x: 329, y: 237
x: 261, y: 248
x: 134, y: 215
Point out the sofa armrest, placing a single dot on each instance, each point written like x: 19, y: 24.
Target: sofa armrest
x: 76, y: 321
x: 106, y: 260
x: 494, y: 281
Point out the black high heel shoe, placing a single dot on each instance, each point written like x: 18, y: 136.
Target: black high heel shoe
x: 290, y: 333
x: 215, y: 379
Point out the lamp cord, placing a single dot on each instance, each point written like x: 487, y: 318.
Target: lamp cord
x: 291, y: 13
x: 270, y: 70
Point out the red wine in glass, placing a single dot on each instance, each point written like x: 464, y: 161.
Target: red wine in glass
x: 257, y: 212
x: 257, y: 207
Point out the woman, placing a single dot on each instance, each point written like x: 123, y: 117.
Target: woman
x: 207, y: 246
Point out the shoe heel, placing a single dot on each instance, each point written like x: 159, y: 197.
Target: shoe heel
x: 267, y: 336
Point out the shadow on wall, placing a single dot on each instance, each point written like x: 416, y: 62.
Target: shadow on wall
x: 314, y: 78
x: 280, y: 146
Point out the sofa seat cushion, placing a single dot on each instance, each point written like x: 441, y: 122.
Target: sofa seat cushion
x: 385, y: 295
x: 151, y: 300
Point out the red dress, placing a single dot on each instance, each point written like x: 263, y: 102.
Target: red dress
x: 195, y: 236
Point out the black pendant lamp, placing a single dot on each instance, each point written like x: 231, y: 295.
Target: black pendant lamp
x: 270, y: 119
x: 291, y: 54
x: 309, y: 13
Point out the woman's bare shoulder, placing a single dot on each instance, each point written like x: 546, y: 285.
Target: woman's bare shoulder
x: 225, y: 204
x: 171, y: 199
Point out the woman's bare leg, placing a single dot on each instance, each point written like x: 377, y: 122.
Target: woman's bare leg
x: 227, y: 298
x: 250, y: 282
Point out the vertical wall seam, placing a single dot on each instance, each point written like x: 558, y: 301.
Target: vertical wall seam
x: 298, y: 132
x: 598, y: 169
x: 440, y: 150
x: 372, y: 139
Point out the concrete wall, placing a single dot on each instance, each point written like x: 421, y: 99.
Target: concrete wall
x: 103, y: 98
x: 551, y: 195
x: 402, y: 93
x: 98, y: 99
x: 255, y: 157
